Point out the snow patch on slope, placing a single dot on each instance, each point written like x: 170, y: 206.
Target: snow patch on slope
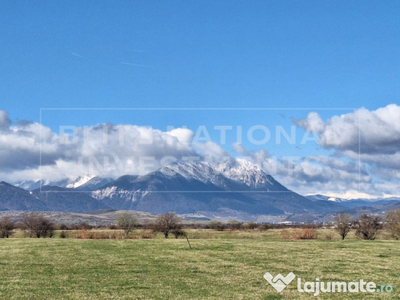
x: 244, y: 171
x: 114, y: 192
x: 235, y: 169
x: 79, y: 181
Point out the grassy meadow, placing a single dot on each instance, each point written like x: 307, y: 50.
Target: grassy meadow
x: 221, y: 265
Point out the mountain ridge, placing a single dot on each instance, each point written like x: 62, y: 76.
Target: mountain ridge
x: 238, y: 186
x: 235, y: 188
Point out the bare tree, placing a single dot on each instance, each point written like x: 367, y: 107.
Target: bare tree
x: 167, y: 223
x: 216, y: 225
x: 127, y: 222
x: 250, y: 225
x: 38, y: 225
x: 29, y: 223
x: 368, y: 227
x: 343, y: 223
x: 6, y: 226
x: 392, y: 219
x: 235, y: 224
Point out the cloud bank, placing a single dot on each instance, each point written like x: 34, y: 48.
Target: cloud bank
x: 365, y: 141
x: 31, y: 151
x: 365, y: 147
x: 364, y: 131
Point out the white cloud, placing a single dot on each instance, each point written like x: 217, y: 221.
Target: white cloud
x: 103, y: 150
x: 373, y: 137
x: 366, y: 131
x: 330, y: 175
x: 113, y: 150
x: 312, y: 122
x: 20, y: 146
x: 211, y: 152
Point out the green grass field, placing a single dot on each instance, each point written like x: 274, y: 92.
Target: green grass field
x: 222, y: 265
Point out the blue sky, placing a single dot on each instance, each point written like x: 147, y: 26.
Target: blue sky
x: 204, y: 54
x: 198, y: 54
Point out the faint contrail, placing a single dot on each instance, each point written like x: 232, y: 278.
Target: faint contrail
x: 137, y: 65
x: 75, y: 54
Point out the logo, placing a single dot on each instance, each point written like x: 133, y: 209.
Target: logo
x: 316, y: 287
x: 279, y: 283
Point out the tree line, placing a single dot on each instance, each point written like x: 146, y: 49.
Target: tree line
x: 37, y: 225
x: 366, y: 227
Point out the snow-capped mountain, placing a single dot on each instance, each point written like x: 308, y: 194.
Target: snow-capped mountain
x: 351, y: 203
x: 248, y: 173
x: 244, y: 173
x: 191, y: 187
x: 86, y: 182
x: 231, y: 189
x: 31, y: 185
x: 201, y: 171
x: 319, y: 197
x: 79, y: 181
x: 205, y: 173
x: 93, y: 183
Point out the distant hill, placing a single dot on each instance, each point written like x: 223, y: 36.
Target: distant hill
x: 67, y: 200
x: 14, y: 198
x: 49, y: 199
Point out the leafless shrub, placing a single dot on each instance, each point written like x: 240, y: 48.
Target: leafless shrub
x: 6, y: 226
x: 82, y: 234
x: 235, y: 225
x: 127, y: 222
x: 308, y: 234
x: 343, y: 224
x: 38, y: 225
x: 250, y: 225
x: 392, y: 219
x: 166, y: 223
x: 368, y: 227
x: 216, y: 225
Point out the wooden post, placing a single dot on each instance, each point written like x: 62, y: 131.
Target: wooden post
x: 190, y: 247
